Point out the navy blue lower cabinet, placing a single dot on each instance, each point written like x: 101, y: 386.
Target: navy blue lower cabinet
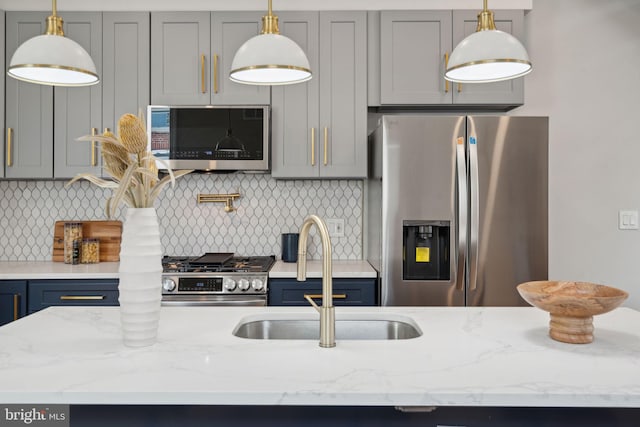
x: 46, y: 293
x: 345, y: 416
x: 290, y: 292
x: 13, y: 300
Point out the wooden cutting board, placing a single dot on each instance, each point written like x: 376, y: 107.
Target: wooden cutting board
x: 108, y: 232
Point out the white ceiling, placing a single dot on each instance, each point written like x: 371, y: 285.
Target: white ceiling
x: 260, y: 4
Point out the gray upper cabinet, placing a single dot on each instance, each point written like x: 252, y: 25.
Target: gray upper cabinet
x: 2, y: 62
x: 319, y: 127
x: 191, y: 55
x: 29, y: 108
x: 180, y: 54
x: 295, y: 108
x: 78, y: 110
x: 510, y: 92
x: 125, y: 66
x: 410, y: 59
x: 343, y: 94
x: 44, y: 147
x: 413, y: 45
x: 229, y: 31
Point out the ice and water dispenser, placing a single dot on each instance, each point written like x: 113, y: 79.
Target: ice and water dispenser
x: 426, y: 247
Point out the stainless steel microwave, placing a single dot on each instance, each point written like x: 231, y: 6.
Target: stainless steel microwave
x: 210, y: 138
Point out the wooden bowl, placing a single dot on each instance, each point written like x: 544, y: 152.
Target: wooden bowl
x: 572, y: 306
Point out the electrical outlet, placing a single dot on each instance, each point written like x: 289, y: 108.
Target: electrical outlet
x: 336, y: 227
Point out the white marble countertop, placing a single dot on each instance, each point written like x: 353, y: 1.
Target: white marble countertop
x: 465, y: 357
x: 25, y: 270
x: 342, y: 269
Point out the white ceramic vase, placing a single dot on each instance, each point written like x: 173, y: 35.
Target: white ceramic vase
x: 140, y: 276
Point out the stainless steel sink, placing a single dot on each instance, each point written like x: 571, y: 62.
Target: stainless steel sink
x: 372, y: 326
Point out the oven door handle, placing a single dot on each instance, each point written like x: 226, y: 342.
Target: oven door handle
x: 168, y: 301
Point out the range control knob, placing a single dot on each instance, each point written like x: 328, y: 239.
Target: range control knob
x: 229, y: 284
x: 168, y: 284
x: 243, y: 284
x: 257, y: 284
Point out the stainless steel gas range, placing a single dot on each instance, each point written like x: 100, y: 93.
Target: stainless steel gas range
x: 215, y: 279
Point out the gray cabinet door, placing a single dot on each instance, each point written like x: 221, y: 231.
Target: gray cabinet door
x: 125, y: 67
x: 343, y: 94
x: 295, y: 108
x: 2, y: 67
x: 78, y: 110
x: 180, y: 58
x: 29, y: 108
x: 412, y: 56
x: 510, y: 92
x: 229, y: 31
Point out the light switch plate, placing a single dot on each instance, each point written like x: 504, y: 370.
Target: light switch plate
x: 335, y: 227
x: 628, y: 220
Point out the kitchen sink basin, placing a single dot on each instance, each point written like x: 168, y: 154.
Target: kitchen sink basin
x: 349, y: 326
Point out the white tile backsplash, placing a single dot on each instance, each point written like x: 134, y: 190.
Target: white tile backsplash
x: 266, y: 208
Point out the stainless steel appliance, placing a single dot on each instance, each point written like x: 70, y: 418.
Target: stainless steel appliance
x: 215, y: 279
x: 457, y: 208
x: 210, y: 138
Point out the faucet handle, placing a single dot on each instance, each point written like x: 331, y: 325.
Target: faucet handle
x: 312, y: 302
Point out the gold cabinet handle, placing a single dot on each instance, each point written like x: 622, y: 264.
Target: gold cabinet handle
x: 446, y: 64
x: 94, y: 162
x: 313, y: 146
x: 16, y: 306
x: 9, y: 135
x: 202, y: 86
x: 459, y: 87
x: 334, y: 296
x: 82, y: 297
x: 215, y: 73
x: 326, y: 143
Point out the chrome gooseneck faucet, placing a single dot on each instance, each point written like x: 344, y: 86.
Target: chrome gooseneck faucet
x: 327, y: 311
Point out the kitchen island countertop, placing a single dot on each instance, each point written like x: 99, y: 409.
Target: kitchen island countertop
x: 465, y: 357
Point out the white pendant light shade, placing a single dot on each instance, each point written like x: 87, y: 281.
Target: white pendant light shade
x: 53, y: 60
x: 488, y: 55
x: 270, y: 58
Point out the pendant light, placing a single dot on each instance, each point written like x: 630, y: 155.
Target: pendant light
x: 52, y: 59
x: 488, y: 55
x: 270, y: 58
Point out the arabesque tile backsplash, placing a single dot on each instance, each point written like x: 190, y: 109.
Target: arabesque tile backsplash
x: 266, y: 209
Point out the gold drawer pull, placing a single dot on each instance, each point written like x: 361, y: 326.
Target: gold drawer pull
x: 446, y: 64
x: 326, y: 142
x: 94, y: 131
x: 215, y: 73
x: 204, y: 89
x: 334, y: 296
x: 82, y: 297
x: 313, y: 146
x: 9, y: 135
x: 16, y: 306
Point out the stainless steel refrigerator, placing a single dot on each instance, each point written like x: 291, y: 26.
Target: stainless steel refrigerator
x: 457, y: 208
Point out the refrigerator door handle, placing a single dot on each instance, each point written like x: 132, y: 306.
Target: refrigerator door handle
x: 462, y: 212
x: 474, y: 209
